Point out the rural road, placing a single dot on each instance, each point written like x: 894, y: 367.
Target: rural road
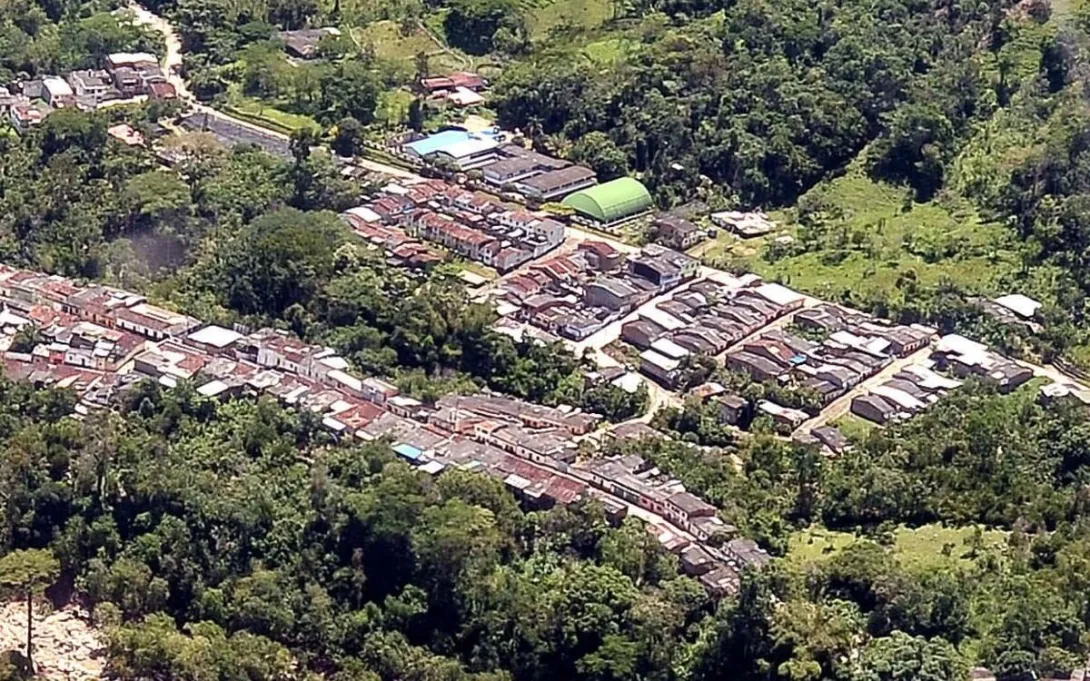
x: 840, y: 406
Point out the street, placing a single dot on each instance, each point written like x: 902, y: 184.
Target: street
x: 841, y: 405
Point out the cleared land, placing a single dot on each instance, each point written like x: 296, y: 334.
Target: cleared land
x: 916, y: 548
x: 871, y: 239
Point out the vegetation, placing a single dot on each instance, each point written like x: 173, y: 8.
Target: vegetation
x: 920, y: 154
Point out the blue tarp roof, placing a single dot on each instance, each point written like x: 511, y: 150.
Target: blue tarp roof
x: 408, y: 451
x: 433, y: 143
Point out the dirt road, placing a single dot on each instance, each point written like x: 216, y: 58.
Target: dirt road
x: 841, y: 405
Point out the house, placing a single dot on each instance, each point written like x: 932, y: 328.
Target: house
x: 831, y: 437
x: 611, y: 293
x: 746, y: 553
x: 720, y: 582
x: 683, y: 506
x: 641, y: 333
x: 708, y: 527
x: 153, y: 322
x: 760, y: 369
x: 1023, y: 306
x: 781, y: 296
x: 161, y: 91
x: 95, y: 85
x: 677, y: 232
x: 127, y: 81
x: 732, y: 408
x: 695, y: 561
x: 458, y: 79
x: 702, y: 340
x: 57, y: 93
x: 25, y: 116
x: 555, y: 184
x: 820, y: 318
x: 745, y: 225
x: 634, y: 431
x: 658, y: 271
x: 785, y: 418
x: 126, y: 134
x: 663, y: 369
x: 119, y: 60
x: 8, y: 100
x: 305, y: 43
x: 664, y: 267
x: 601, y: 256
x: 873, y: 408
x: 214, y: 339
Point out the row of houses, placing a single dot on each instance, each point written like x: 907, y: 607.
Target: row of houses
x: 125, y: 75
x: 100, y: 340
x: 89, y: 344
x: 706, y: 318
x: 97, y: 340
x: 715, y: 555
x: 577, y: 294
x: 910, y: 391
x: 461, y: 221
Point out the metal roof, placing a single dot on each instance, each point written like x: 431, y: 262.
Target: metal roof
x: 611, y: 201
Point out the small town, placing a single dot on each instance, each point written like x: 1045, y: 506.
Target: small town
x: 512, y: 341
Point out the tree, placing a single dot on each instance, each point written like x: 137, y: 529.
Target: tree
x: 901, y: 657
x: 598, y: 151
x: 279, y: 260
x: 29, y: 571
x: 349, y: 137
x: 418, y: 113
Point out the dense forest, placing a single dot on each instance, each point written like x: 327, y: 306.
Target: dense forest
x: 234, y: 540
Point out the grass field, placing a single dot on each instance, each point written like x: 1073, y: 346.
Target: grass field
x: 915, y: 548
x: 265, y: 112
x: 609, y: 51
x: 854, y: 427
x: 391, y: 44
x: 875, y: 235
x: 584, y: 14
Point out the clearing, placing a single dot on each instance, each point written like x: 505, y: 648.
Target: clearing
x: 916, y: 548
x: 65, y: 645
x: 872, y: 240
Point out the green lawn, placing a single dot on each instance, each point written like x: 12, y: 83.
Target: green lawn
x: 265, y: 112
x: 875, y: 237
x: 854, y: 427
x: 919, y: 548
x: 580, y: 14
x: 390, y: 43
x: 609, y: 51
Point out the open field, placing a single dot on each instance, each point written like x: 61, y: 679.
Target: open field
x: 916, y: 548
x: 390, y: 43
x: 585, y: 14
x: 872, y: 240
x: 262, y: 112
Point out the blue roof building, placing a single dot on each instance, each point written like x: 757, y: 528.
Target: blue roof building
x: 407, y: 451
x: 438, y: 141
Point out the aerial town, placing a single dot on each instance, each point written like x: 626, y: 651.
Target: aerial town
x: 575, y: 339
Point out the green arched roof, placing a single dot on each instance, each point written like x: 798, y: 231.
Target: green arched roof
x: 611, y: 201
